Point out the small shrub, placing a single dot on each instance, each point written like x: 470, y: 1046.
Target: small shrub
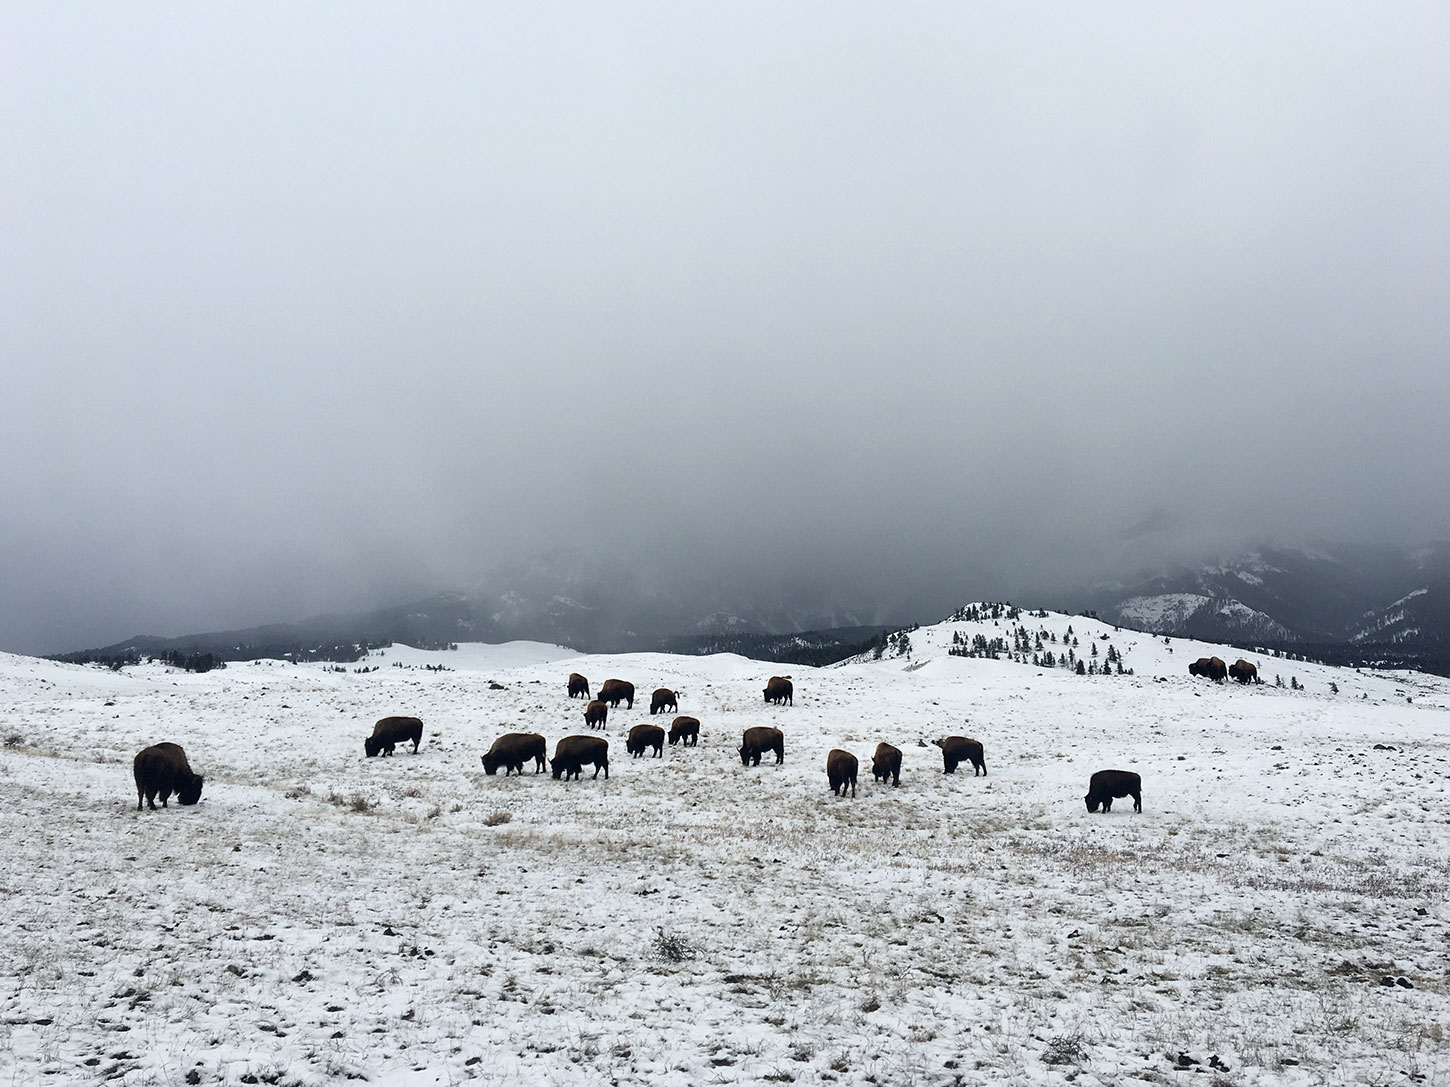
x: 1065, y: 1049
x: 498, y: 818
x: 14, y: 740
x: 671, y: 947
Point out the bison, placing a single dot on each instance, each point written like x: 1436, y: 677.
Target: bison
x: 841, y: 771
x: 391, y: 731
x: 596, y: 714
x: 956, y: 749
x: 616, y: 691
x: 512, y: 751
x: 644, y: 736
x: 685, y: 730
x: 161, y: 770
x: 1212, y: 667
x: 1106, y: 784
x: 1244, y: 671
x: 886, y: 763
x: 572, y: 752
x: 780, y: 690
x: 662, y: 698
x: 578, y: 686
x: 757, y: 741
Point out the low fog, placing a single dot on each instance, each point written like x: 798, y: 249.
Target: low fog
x: 309, y: 309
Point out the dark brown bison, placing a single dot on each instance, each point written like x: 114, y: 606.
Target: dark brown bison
x: 1244, y: 671
x: 512, y: 751
x: 957, y: 749
x: 391, y: 731
x: 572, y: 752
x: 645, y: 736
x: 841, y: 771
x: 578, y: 686
x: 596, y: 714
x: 780, y: 690
x: 1212, y: 667
x: 616, y: 691
x: 886, y: 763
x: 685, y: 730
x: 1106, y: 784
x: 757, y: 741
x: 161, y: 770
x: 662, y: 698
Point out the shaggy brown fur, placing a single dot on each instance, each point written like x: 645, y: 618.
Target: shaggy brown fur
x: 512, y: 751
x: 616, y: 691
x: 662, y: 698
x: 780, y: 690
x: 1106, y: 784
x: 572, y: 752
x: 596, y: 714
x: 958, y: 749
x: 161, y: 770
x: 391, y: 731
x: 757, y: 741
x: 578, y: 686
x: 645, y: 736
x: 1212, y: 667
x: 686, y: 730
x: 886, y: 763
x: 841, y: 769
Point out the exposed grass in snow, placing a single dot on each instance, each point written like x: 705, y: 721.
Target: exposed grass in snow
x: 321, y: 917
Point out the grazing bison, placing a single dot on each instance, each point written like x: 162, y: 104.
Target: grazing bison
x: 512, y: 751
x: 956, y: 749
x: 686, y: 730
x: 393, y: 730
x: 572, y: 752
x: 616, y: 691
x: 596, y: 714
x: 578, y: 686
x: 1212, y: 667
x: 643, y: 736
x: 780, y: 690
x: 757, y: 741
x: 886, y: 763
x: 662, y: 698
x: 841, y: 771
x: 1244, y: 671
x: 161, y: 770
x: 1106, y: 784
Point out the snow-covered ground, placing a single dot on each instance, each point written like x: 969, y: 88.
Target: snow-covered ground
x: 321, y: 917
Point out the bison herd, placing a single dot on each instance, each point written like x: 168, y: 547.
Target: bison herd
x: 1214, y: 668
x: 162, y: 769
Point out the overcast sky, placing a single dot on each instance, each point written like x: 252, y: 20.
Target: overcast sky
x: 311, y: 306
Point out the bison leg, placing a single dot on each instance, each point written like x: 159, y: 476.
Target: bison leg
x: 949, y: 765
x: 1107, y: 804
x: 1137, y: 801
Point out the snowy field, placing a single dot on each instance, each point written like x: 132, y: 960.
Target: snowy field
x: 321, y: 917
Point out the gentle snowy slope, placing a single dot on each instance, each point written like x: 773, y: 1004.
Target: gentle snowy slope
x: 321, y: 917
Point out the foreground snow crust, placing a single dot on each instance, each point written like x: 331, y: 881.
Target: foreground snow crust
x: 321, y: 917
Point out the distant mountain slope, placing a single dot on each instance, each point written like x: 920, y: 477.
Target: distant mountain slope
x: 1337, y: 604
x: 1344, y: 604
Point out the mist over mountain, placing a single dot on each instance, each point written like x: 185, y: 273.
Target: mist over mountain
x: 1342, y: 603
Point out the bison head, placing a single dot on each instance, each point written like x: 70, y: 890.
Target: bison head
x: 190, y: 793
x: 490, y: 765
x: 744, y: 755
x: 1091, y: 801
x: 372, y: 745
x: 556, y: 768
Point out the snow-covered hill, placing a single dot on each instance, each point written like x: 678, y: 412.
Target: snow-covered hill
x: 321, y: 917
